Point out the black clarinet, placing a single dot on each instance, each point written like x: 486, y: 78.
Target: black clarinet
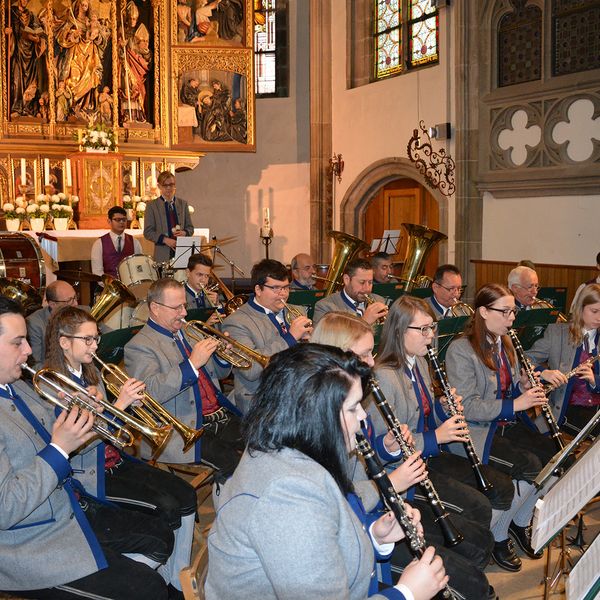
x: 483, y: 483
x: 394, y: 502
x: 451, y: 535
x: 546, y: 410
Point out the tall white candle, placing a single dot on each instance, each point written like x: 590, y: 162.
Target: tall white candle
x: 153, y: 175
x: 266, y: 228
x: 68, y: 166
x: 133, y: 173
x: 23, y: 172
x: 173, y: 168
x: 46, y: 171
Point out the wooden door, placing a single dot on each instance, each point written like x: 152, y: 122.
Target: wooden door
x: 403, y: 201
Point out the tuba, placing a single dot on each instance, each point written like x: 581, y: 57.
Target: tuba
x: 114, y: 295
x: 421, y: 241
x: 27, y: 295
x: 346, y: 249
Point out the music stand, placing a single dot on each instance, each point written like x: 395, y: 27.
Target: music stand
x: 388, y: 243
x: 584, y: 581
x: 186, y: 246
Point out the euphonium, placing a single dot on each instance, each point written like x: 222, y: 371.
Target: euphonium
x: 346, y: 249
x: 294, y: 312
x: 421, y: 242
x: 451, y: 536
x: 546, y: 410
x: 239, y: 356
x: 152, y: 412
x: 104, y: 426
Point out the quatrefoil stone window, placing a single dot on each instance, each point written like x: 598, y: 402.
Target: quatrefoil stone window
x: 518, y: 138
x: 579, y: 131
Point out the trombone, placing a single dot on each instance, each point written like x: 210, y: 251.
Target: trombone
x: 107, y: 428
x: 239, y: 356
x: 152, y: 412
x: 295, y: 313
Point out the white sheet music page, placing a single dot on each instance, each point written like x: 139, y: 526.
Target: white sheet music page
x: 567, y: 497
x: 585, y: 573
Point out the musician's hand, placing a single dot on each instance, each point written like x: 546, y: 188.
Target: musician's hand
x: 214, y: 297
x: 374, y: 311
x: 72, y: 430
x: 555, y: 377
x: 415, y: 516
x: 391, y: 444
x: 525, y: 379
x: 170, y: 242
x: 130, y: 394
x: 93, y: 390
x: 409, y: 473
x: 533, y: 397
x: 457, y: 402
x: 452, y: 430
x: 213, y: 319
x: 586, y: 372
x: 299, y: 328
x: 425, y: 577
x: 387, y: 530
x: 202, y: 352
x: 179, y: 233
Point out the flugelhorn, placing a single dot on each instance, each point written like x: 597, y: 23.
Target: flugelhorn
x: 239, y: 356
x: 110, y: 430
x: 294, y: 312
x: 546, y: 410
x: 370, y: 300
x: 152, y: 412
x: 461, y: 309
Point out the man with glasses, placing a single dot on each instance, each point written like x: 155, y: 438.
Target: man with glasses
x: 264, y: 325
x: 354, y: 298
x: 447, y: 289
x: 523, y: 283
x: 167, y: 218
x: 304, y: 271
x: 110, y: 249
x: 183, y: 375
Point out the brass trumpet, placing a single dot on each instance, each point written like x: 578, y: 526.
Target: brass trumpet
x: 294, y: 312
x: 152, y: 412
x: 461, y: 309
x: 104, y: 426
x: 239, y: 356
x: 370, y: 300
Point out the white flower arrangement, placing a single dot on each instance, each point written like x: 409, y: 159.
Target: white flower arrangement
x: 140, y: 210
x: 36, y: 211
x: 10, y: 211
x: 74, y: 199
x: 98, y: 136
x: 62, y: 196
x: 20, y: 202
x: 60, y: 208
x: 191, y: 210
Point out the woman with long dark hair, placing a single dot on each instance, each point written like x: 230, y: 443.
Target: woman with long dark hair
x: 568, y: 346
x: 284, y: 527
x: 483, y: 366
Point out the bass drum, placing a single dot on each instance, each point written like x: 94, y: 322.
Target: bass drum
x: 21, y: 258
x: 138, y: 272
x: 140, y: 315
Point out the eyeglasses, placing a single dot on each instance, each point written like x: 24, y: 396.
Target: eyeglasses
x: 505, y: 311
x: 425, y: 329
x: 67, y: 301
x: 167, y: 185
x: 178, y: 308
x: 88, y: 339
x: 278, y: 288
x: 530, y: 288
x: 120, y: 219
x: 453, y: 290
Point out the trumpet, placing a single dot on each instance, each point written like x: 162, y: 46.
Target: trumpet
x: 370, y: 300
x: 294, y: 312
x: 105, y: 427
x: 461, y: 309
x: 239, y: 356
x: 152, y: 413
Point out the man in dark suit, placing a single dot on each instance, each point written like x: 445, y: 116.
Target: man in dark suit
x: 166, y: 219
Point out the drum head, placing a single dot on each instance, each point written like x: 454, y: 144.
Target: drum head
x: 140, y: 315
x: 21, y: 258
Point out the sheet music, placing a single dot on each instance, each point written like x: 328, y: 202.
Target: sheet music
x: 567, y: 497
x: 186, y: 246
x: 585, y: 573
x: 389, y: 242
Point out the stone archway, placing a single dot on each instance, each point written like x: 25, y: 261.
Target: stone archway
x: 366, y: 186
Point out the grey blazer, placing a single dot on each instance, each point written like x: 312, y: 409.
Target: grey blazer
x: 255, y: 330
x: 479, y: 387
x: 438, y: 314
x: 285, y: 530
x: 156, y: 360
x: 42, y: 543
x: 156, y: 227
x: 555, y: 349
x: 336, y: 303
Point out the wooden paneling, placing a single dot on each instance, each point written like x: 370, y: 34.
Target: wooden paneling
x: 569, y: 276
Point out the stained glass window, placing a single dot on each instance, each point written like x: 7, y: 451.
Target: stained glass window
x: 423, y: 27
x: 264, y: 48
x: 415, y: 36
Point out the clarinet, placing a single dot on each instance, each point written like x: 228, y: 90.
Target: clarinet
x: 590, y: 361
x: 394, y: 502
x: 451, y: 535
x: 546, y: 411
x: 483, y: 483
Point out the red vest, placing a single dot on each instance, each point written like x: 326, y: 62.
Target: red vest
x: 110, y: 257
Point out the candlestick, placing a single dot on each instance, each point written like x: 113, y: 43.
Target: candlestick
x: 69, y: 180
x: 46, y: 171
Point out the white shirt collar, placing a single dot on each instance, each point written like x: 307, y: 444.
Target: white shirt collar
x: 410, y: 361
x: 360, y: 304
x: 79, y: 373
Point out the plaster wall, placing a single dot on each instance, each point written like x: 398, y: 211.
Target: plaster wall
x: 229, y: 190
x: 376, y: 121
x: 554, y: 230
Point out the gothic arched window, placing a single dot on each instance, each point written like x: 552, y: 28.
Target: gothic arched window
x: 270, y: 48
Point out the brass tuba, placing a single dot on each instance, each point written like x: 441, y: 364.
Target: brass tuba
x: 27, y: 295
x: 421, y: 241
x: 114, y: 295
x: 346, y: 249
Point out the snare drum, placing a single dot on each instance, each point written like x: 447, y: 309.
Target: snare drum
x: 140, y: 315
x: 21, y: 258
x: 138, y: 272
